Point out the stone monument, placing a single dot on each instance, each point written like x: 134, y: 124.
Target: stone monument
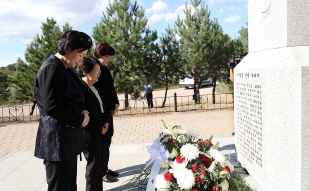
x: 272, y: 95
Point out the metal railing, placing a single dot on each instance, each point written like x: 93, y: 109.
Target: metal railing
x: 18, y: 113
x: 21, y: 113
x: 176, y: 104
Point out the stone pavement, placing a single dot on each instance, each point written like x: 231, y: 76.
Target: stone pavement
x: 21, y: 171
x: 129, y: 128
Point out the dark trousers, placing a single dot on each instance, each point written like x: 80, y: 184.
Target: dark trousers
x: 93, y: 155
x: 107, y: 141
x: 149, y: 100
x: 61, y: 175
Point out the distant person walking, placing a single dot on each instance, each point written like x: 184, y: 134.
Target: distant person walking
x: 148, y: 90
x: 59, y: 96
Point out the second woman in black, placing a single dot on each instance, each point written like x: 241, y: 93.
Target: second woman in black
x: 89, y: 71
x: 105, y: 85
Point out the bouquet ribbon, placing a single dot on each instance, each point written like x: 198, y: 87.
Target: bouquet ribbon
x: 157, y: 151
x: 157, y: 154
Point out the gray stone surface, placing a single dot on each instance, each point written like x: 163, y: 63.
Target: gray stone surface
x: 271, y: 96
x: 277, y: 23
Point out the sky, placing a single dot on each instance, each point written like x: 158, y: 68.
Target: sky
x: 21, y: 20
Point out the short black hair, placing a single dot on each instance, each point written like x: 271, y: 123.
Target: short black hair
x: 74, y: 40
x: 87, y: 65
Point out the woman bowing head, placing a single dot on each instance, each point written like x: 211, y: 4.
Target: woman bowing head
x: 59, y: 96
x: 89, y: 71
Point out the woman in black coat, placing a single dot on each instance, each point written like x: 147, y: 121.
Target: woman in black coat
x: 89, y: 71
x: 59, y: 96
x: 105, y: 85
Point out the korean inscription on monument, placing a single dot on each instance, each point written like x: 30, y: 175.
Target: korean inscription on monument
x: 249, y: 117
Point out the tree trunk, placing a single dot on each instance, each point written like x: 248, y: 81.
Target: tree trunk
x: 214, y: 90
x: 196, y: 91
x: 126, y: 98
x: 166, y: 85
x: 166, y: 88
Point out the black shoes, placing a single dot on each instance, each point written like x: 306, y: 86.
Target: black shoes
x: 109, y: 178
x: 112, y: 173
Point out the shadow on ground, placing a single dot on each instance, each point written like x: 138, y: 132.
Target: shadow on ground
x: 126, y: 172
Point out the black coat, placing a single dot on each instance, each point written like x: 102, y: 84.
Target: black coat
x: 59, y: 96
x: 105, y: 86
x: 97, y: 119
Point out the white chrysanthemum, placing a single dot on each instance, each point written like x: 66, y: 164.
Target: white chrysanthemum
x: 224, y: 185
x: 227, y: 163
x: 161, y: 183
x: 177, y: 168
x: 220, y: 158
x: 212, y: 167
x: 171, y: 155
x: 189, y: 151
x: 186, y: 179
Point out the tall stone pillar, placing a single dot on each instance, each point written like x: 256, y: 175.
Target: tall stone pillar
x: 272, y: 95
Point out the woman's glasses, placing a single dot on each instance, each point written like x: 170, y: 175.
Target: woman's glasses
x: 97, y: 72
x: 109, y: 57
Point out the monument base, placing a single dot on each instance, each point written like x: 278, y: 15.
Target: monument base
x: 227, y: 147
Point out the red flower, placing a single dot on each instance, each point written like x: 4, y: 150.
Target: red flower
x: 203, y: 170
x: 201, y: 143
x: 194, y: 167
x: 194, y: 190
x: 208, y: 142
x: 198, y: 180
x: 215, y: 188
x: 205, y: 159
x: 170, y: 140
x: 180, y: 159
x: 227, y: 169
x: 168, y: 176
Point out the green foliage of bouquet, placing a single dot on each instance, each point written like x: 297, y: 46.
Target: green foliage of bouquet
x: 192, y: 164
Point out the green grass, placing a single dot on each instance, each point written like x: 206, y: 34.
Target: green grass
x: 225, y: 87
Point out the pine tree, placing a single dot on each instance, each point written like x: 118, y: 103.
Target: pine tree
x: 124, y: 27
x: 195, y: 41
x: 44, y: 45
x: 11, y: 67
x: 4, y: 87
x: 37, y: 52
x: 243, y: 37
x: 23, y: 86
x: 170, y: 66
x: 220, y: 52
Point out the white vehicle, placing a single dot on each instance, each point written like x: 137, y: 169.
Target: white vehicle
x: 188, y: 82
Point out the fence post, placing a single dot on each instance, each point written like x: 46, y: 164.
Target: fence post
x: 175, y: 101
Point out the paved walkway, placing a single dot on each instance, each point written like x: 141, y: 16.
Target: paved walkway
x: 129, y: 128
x: 21, y: 171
